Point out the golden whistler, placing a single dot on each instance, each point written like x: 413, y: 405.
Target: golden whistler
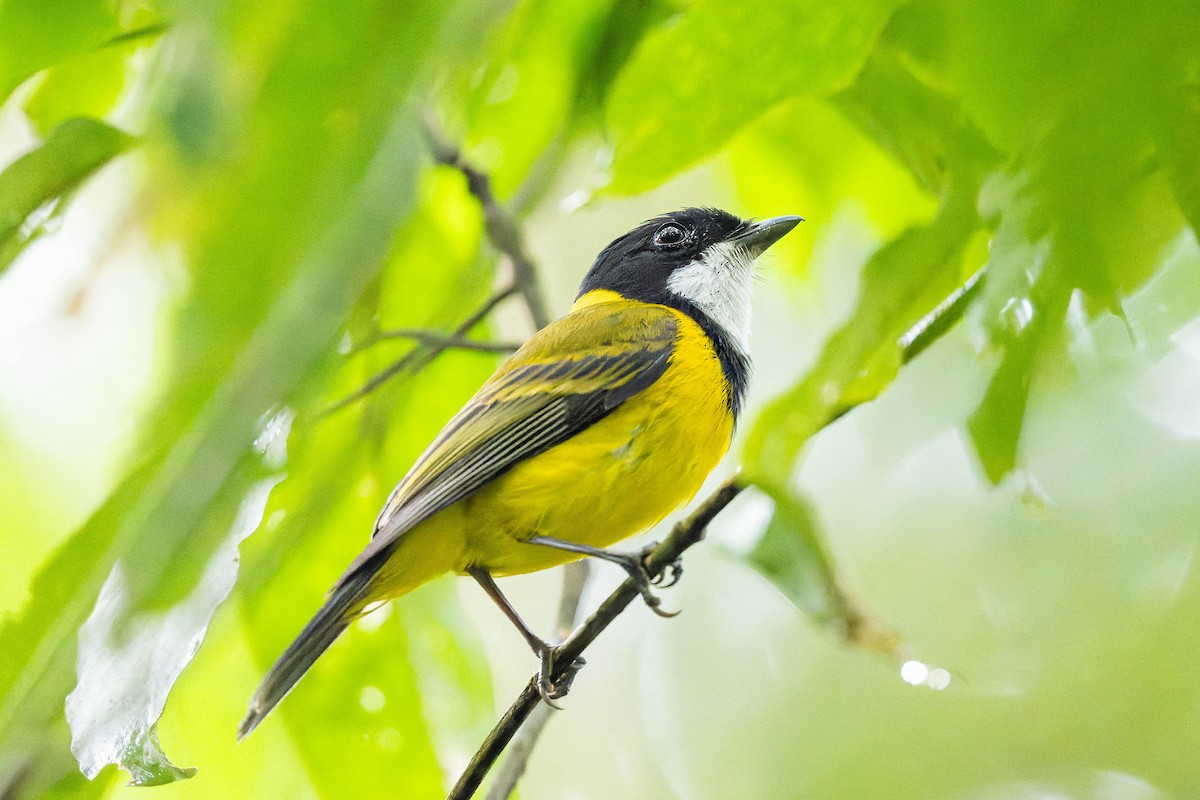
x: 604, y: 422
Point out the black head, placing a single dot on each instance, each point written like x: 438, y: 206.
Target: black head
x: 695, y: 259
x: 638, y: 264
x: 700, y: 261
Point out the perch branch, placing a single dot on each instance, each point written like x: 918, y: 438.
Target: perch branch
x: 682, y: 536
x: 516, y: 757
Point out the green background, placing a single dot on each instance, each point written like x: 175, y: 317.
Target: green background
x: 209, y: 210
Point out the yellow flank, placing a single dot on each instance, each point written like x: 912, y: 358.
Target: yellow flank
x: 614, y: 479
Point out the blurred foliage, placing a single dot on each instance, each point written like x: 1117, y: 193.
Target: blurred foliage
x: 1054, y: 145
x: 38, y: 179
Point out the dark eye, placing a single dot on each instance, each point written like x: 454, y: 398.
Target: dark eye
x: 669, y: 235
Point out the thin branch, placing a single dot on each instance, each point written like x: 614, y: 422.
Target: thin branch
x: 417, y: 358
x: 502, y: 229
x: 506, y: 235
x: 682, y: 536
x: 150, y: 31
x: 437, y: 338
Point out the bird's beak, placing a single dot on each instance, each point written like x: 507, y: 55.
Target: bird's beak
x: 764, y: 233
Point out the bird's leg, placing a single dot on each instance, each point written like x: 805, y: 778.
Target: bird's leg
x: 632, y: 563
x: 547, y: 688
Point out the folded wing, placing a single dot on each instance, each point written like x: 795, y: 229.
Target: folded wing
x: 561, y: 381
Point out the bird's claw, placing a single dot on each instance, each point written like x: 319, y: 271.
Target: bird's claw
x: 547, y: 687
x: 635, y: 565
x: 670, y: 575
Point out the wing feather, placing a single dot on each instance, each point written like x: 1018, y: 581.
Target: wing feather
x: 565, y: 378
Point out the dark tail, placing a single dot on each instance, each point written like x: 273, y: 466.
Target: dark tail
x: 339, y: 610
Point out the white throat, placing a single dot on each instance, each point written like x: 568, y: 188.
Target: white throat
x: 719, y: 283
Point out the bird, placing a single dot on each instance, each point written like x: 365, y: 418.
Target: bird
x: 599, y: 426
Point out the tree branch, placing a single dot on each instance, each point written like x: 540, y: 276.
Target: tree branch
x: 505, y: 234
x: 931, y: 327
x: 682, y: 536
x: 516, y: 759
x: 419, y: 356
x: 502, y: 229
x: 437, y: 338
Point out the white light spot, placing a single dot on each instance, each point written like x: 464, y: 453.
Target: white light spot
x: 272, y: 437
x: 1017, y: 313
x: 938, y: 679
x: 917, y: 673
x: 914, y: 672
x: 1109, y: 785
x: 574, y: 201
x: 831, y: 392
x: 390, y: 740
x: 368, y: 486
x: 603, y: 158
x: 372, y: 699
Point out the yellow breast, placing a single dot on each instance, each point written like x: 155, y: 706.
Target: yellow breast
x: 616, y: 478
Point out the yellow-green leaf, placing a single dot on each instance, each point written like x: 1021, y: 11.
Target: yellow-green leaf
x: 691, y: 85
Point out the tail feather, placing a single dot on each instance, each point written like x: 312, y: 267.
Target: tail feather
x: 335, y: 615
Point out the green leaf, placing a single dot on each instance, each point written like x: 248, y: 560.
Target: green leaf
x: 913, y: 289
x: 917, y: 123
x: 903, y: 281
x: 1174, y: 132
x: 909, y: 297
x: 693, y: 84
x: 86, y: 85
x: 125, y: 677
x: 1086, y: 202
x: 303, y: 202
x: 37, y: 648
x: 1023, y: 306
x: 419, y: 659
x: 838, y: 167
x: 362, y: 702
x: 793, y: 556
x: 628, y: 22
x: 526, y: 86
x: 35, y: 34
x: 148, y: 765
x: 75, y: 150
x: 1081, y: 116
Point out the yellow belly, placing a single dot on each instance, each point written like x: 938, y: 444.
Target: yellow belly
x: 613, y: 480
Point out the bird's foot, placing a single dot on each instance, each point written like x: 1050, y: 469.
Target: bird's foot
x: 635, y: 565
x: 548, y: 688
x: 671, y: 574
